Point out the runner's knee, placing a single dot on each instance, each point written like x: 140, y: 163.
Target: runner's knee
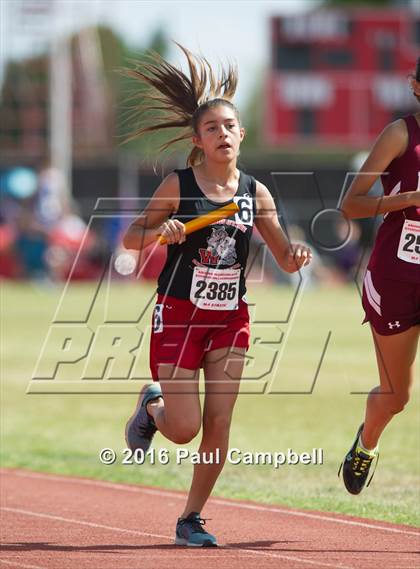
x: 218, y: 424
x: 394, y: 403
x: 399, y: 402
x: 184, y: 432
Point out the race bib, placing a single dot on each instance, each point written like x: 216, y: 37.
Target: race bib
x: 409, y: 246
x: 215, y: 289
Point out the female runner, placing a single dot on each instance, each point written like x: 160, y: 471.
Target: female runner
x: 201, y: 316
x: 391, y: 288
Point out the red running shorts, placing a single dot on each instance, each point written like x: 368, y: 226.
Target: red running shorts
x: 182, y: 333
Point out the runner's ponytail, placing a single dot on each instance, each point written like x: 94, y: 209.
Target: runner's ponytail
x: 173, y: 100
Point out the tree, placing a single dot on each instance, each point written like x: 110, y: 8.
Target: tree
x: 25, y: 96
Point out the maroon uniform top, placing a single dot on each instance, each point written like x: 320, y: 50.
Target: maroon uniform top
x: 402, y: 175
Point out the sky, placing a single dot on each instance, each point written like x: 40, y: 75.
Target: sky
x: 237, y: 30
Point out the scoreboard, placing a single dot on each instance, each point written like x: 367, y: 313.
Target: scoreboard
x: 338, y: 76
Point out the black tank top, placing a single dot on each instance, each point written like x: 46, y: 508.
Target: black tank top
x: 209, y: 267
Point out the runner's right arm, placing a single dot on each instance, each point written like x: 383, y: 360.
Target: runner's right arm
x: 390, y: 144
x: 154, y: 220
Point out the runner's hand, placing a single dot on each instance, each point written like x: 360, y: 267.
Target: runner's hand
x: 173, y: 230
x: 298, y: 256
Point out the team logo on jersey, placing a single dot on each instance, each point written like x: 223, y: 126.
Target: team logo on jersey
x: 244, y: 218
x: 220, y: 250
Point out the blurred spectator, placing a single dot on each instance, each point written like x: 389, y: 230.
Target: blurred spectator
x: 52, y: 197
x: 8, y: 264
x: 31, y: 243
x: 347, y: 257
x: 41, y: 232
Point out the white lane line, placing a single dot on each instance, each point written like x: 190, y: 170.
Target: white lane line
x: 293, y: 558
x: 218, y: 501
x: 83, y: 523
x: 23, y: 565
x: 137, y: 532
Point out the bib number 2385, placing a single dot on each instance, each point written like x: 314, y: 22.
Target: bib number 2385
x: 215, y: 289
x: 409, y: 246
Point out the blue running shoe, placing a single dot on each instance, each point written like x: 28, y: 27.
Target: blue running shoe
x: 140, y: 428
x: 190, y: 532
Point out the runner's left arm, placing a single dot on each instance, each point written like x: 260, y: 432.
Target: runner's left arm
x: 289, y: 256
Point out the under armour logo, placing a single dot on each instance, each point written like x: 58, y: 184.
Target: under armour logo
x: 393, y: 325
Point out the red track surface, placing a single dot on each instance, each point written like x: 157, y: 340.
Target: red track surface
x: 60, y: 522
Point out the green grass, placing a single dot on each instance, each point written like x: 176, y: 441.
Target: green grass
x: 63, y: 432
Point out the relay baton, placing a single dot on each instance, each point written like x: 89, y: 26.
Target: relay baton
x: 206, y: 219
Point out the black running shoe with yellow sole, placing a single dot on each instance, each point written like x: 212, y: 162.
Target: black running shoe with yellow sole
x: 356, y: 466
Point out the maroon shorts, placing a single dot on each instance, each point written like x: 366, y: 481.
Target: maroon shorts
x: 390, y: 306
x: 182, y: 333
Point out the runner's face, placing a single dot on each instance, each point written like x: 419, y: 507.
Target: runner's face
x: 415, y: 86
x: 219, y: 134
